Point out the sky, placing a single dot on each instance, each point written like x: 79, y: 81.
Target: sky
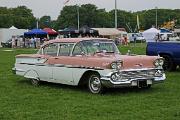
x: 53, y: 7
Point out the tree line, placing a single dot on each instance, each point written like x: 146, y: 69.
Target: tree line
x: 89, y: 15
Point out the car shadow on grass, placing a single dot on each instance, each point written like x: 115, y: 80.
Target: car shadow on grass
x: 84, y: 89
x: 53, y: 85
x: 127, y: 90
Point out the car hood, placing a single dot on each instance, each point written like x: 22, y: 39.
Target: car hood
x: 138, y: 61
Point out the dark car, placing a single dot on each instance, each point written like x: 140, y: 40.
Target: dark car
x: 7, y: 44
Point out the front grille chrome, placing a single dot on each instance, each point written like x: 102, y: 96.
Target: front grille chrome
x: 138, y: 74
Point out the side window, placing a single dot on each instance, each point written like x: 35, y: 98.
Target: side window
x: 51, y: 49
x: 65, y: 49
x: 77, y: 50
x: 107, y: 47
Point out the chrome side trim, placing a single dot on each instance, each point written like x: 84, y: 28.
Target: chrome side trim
x: 63, y: 65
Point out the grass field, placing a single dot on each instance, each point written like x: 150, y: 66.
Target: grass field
x: 19, y: 100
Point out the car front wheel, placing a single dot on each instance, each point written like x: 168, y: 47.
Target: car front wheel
x: 94, y: 84
x: 168, y: 63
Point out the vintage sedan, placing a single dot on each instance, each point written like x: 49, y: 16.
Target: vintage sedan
x: 95, y: 62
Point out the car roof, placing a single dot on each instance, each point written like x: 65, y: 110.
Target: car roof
x: 72, y: 40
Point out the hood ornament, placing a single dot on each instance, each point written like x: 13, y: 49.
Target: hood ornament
x: 139, y: 65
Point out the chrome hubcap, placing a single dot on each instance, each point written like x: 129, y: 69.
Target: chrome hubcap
x: 95, y: 84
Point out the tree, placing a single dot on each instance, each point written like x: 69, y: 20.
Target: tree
x: 89, y: 16
x: 21, y: 17
x: 67, y: 17
x: 45, y: 21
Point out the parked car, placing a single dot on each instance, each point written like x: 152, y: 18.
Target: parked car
x: 7, y: 44
x: 94, y: 62
x: 169, y: 50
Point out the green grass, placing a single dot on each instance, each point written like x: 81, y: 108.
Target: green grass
x: 139, y: 48
x: 19, y: 100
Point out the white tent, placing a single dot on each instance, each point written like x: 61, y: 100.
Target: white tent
x: 150, y: 34
x: 7, y: 33
x: 110, y: 32
x: 13, y: 28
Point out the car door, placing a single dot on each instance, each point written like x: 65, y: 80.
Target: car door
x: 45, y: 70
x: 62, y: 67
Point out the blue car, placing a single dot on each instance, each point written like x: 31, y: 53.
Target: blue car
x: 169, y: 50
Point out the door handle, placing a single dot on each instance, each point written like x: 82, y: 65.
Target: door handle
x: 56, y: 58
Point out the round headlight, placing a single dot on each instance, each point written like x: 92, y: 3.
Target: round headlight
x: 116, y: 65
x: 161, y: 62
x: 113, y: 65
x: 156, y: 63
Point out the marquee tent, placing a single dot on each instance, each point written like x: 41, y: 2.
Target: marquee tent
x: 7, y: 33
x: 50, y: 31
x: 150, y: 34
x: 69, y: 32
x: 35, y: 33
x: 111, y: 33
x: 87, y: 31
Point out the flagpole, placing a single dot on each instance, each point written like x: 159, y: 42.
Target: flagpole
x: 78, y: 16
x: 115, y: 13
x: 37, y: 23
x: 156, y: 18
x: 138, y: 26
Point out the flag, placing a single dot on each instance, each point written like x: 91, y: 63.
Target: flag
x: 66, y: 2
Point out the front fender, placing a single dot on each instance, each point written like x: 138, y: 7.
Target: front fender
x: 165, y: 52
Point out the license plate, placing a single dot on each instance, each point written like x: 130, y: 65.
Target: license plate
x: 142, y: 83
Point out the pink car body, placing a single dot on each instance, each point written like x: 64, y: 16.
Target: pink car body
x: 93, y: 61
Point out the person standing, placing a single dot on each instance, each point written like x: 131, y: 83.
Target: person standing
x: 13, y: 42
x: 125, y: 40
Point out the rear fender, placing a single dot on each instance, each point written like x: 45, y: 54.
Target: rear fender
x: 31, y: 74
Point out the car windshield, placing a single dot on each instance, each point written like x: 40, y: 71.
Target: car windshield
x: 95, y: 46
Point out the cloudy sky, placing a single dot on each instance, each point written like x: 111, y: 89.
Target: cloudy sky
x: 53, y: 7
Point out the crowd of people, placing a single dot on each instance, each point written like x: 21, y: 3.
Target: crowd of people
x: 21, y: 42
x: 121, y: 40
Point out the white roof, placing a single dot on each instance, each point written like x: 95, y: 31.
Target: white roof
x: 109, y: 31
x: 152, y: 30
x: 12, y: 28
x: 150, y: 34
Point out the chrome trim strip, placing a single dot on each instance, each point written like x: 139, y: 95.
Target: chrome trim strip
x: 62, y: 65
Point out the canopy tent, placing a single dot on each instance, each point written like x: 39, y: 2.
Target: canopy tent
x: 150, y: 34
x: 108, y: 31
x: 69, y: 32
x: 74, y: 32
x: 35, y: 33
x: 50, y: 31
x: 87, y: 31
x: 13, y: 28
x: 111, y: 33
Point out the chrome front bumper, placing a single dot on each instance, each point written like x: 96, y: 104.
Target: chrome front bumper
x: 107, y: 81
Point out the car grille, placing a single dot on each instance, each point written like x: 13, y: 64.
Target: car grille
x: 138, y: 74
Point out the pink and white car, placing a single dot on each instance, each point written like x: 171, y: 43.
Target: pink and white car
x: 95, y: 62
